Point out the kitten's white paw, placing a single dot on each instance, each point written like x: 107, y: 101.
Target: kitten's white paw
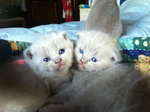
x: 52, y: 108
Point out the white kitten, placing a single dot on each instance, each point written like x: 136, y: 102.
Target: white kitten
x: 51, y: 57
x: 50, y: 54
x: 104, y: 16
x: 95, y: 51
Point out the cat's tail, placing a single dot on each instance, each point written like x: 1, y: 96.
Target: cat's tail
x: 5, y: 50
x: 138, y: 96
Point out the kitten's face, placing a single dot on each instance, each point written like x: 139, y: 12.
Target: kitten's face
x: 95, y: 51
x: 50, y: 54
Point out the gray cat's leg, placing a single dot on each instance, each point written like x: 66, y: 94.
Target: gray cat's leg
x: 71, y: 106
x: 138, y: 96
x: 52, y: 108
x: 64, y: 96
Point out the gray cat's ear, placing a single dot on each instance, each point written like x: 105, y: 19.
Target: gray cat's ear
x: 116, y: 57
x: 27, y: 54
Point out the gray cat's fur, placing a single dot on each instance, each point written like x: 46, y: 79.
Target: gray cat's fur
x: 117, y: 89
x: 105, y: 90
x: 138, y: 96
x: 104, y: 16
x: 20, y: 89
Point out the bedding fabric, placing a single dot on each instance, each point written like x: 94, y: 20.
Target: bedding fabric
x: 70, y: 27
x: 135, y: 15
x: 19, y: 34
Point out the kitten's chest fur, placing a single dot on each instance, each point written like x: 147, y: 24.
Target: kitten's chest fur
x: 83, y: 79
x: 58, y: 83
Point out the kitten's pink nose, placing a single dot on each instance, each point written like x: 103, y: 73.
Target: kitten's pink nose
x: 83, y: 61
x: 57, y: 61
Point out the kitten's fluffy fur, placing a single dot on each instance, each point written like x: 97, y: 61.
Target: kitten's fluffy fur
x: 99, y: 45
x: 104, y: 17
x: 92, y: 47
x: 49, y: 47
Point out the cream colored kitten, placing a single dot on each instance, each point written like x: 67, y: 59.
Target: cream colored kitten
x: 21, y: 89
x: 51, y: 57
x: 95, y: 51
x: 104, y: 16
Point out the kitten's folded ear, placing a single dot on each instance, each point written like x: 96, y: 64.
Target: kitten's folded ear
x: 64, y: 34
x: 81, y: 34
x: 27, y: 54
x: 116, y: 55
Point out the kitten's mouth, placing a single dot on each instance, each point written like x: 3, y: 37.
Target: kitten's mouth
x: 81, y: 66
x: 60, y: 66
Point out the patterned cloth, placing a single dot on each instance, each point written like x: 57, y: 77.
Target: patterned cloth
x: 136, y: 50
x: 17, y: 47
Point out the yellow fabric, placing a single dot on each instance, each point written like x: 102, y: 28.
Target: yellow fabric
x: 143, y: 64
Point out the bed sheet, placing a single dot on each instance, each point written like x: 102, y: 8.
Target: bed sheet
x: 31, y: 34
x: 135, y: 15
x: 70, y: 27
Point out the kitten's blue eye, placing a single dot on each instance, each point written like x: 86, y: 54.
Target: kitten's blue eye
x: 94, y: 59
x: 81, y: 51
x: 47, y: 59
x: 61, y: 51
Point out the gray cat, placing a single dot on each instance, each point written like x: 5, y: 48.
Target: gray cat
x: 117, y: 89
x: 20, y: 89
x: 105, y: 86
x: 104, y: 16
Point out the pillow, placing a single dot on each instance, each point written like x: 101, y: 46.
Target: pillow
x: 135, y: 15
x: 19, y: 34
x: 70, y: 27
